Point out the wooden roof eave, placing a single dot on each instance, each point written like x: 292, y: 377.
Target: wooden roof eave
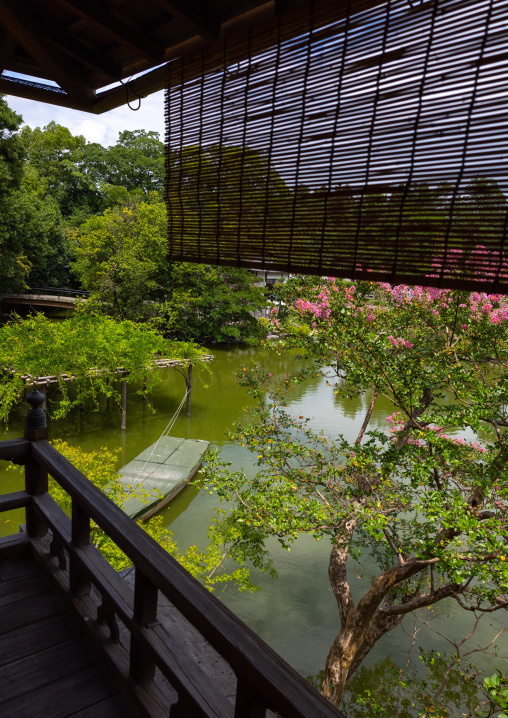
x: 152, y: 81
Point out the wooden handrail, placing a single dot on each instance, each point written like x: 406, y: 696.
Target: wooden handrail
x: 13, y: 449
x: 264, y: 679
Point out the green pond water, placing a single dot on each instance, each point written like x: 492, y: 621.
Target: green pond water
x: 295, y: 613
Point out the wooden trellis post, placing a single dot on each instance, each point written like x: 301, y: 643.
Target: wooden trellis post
x: 189, y: 387
x: 123, y: 423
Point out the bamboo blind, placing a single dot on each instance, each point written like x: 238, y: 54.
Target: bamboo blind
x: 351, y: 139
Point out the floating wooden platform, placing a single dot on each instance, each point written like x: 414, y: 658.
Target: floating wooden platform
x: 161, y: 471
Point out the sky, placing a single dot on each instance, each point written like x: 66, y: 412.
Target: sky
x: 96, y: 128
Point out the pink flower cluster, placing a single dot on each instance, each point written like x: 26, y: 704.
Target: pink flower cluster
x: 398, y: 422
x: 399, y: 343
x: 321, y: 308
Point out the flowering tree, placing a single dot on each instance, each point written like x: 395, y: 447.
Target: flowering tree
x: 427, y: 505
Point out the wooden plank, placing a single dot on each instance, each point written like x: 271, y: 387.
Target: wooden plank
x: 161, y: 470
x: 28, y: 611
x: 11, y: 569
x: 147, y: 701
x: 161, y: 450
x: 82, y: 53
x: 188, y: 453
x: 48, y: 666
x: 59, y: 699
x: 13, y: 545
x: 37, y: 637
x: 178, y: 666
x: 25, y: 587
x: 7, y: 44
x: 113, y: 707
x: 16, y: 500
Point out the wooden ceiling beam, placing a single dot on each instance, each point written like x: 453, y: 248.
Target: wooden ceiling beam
x: 17, y: 19
x: 97, y: 13
x: 73, y: 47
x: 7, y: 44
x: 201, y: 18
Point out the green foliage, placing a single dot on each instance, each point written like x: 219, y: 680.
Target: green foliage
x: 206, y: 303
x: 135, y: 163
x: 497, y: 691
x: 58, y: 156
x: 99, y: 467
x: 32, y: 246
x: 89, y: 348
x: 121, y: 258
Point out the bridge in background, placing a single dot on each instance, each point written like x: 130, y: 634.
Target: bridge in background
x: 47, y: 297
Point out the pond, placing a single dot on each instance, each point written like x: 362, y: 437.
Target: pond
x: 295, y: 613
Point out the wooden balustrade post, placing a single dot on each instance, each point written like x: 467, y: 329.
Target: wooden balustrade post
x: 36, y: 476
x: 247, y: 704
x: 142, y: 665
x: 79, y: 583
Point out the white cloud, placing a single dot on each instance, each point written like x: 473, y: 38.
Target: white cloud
x: 96, y: 128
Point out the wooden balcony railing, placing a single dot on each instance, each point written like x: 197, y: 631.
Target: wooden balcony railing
x: 62, y: 545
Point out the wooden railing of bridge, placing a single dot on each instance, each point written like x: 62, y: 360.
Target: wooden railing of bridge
x: 264, y: 680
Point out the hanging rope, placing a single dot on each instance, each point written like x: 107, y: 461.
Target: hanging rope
x: 128, y: 86
x: 166, y: 432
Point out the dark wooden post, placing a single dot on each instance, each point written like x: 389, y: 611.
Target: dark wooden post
x: 123, y: 423
x: 79, y: 582
x: 189, y: 388
x: 44, y: 391
x: 36, y: 476
x: 247, y: 704
x: 142, y: 666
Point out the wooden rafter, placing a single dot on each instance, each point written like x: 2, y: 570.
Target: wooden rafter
x: 7, y: 44
x: 96, y: 13
x: 17, y: 19
x: 82, y: 53
x: 201, y: 18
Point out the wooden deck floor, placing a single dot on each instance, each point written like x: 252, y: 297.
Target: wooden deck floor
x: 47, y: 667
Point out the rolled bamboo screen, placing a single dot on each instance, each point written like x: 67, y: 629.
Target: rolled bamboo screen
x: 352, y: 139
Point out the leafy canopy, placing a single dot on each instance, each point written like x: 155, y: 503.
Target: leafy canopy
x: 87, y: 347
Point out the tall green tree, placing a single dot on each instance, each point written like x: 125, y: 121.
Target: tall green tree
x: 58, y: 156
x: 121, y: 257
x: 32, y: 246
x: 209, y: 303
x: 135, y: 163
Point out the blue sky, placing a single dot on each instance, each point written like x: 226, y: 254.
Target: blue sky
x: 96, y: 128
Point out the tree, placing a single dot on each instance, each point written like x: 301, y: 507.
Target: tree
x: 121, y: 257
x: 135, y: 162
x: 427, y: 505
x: 206, y: 302
x: 59, y: 158
x: 32, y: 247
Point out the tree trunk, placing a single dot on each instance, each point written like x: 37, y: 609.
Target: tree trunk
x: 349, y: 650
